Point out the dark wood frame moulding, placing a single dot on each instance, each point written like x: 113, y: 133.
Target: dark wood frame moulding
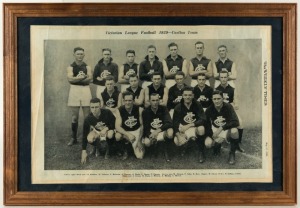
x: 12, y: 196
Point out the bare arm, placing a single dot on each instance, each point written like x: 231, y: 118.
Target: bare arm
x: 122, y: 79
x: 184, y: 67
x: 164, y: 101
x: 71, y: 78
x: 233, y: 74
x: 209, y: 72
x: 194, y: 73
x: 89, y: 77
x: 147, y: 102
x: 141, y: 98
x: 215, y: 72
x: 142, y: 125
x: 119, y: 100
x: 166, y: 70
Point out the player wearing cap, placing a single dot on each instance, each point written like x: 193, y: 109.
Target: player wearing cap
x: 224, y: 122
x: 200, y: 64
x: 136, y: 90
x: 157, y: 126
x: 172, y: 64
x: 228, y: 94
x: 203, y: 92
x: 111, y: 97
x: 150, y: 65
x: 175, y: 92
x: 224, y: 64
x: 104, y: 68
x: 189, y: 122
x: 79, y: 75
x: 129, y: 126
x: 130, y: 67
x: 158, y: 88
x: 98, y: 128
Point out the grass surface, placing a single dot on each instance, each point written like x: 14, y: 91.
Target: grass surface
x: 59, y: 156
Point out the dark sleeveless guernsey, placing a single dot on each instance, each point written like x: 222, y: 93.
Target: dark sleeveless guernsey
x: 130, y: 121
x: 110, y: 101
x: 79, y: 70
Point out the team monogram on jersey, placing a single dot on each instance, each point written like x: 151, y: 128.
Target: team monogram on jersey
x: 131, y: 121
x: 151, y: 71
x: 156, y: 124
x: 130, y: 71
x: 202, y: 98
x: 100, y: 125
x: 110, y: 103
x: 200, y: 67
x: 80, y: 74
x: 189, y: 118
x: 226, y: 97
x: 105, y: 73
x: 178, y: 99
x: 174, y: 69
x: 220, y: 121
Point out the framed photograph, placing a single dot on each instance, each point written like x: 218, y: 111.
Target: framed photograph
x: 150, y: 104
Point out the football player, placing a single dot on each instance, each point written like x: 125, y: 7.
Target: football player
x: 104, y: 68
x: 79, y: 75
x: 98, y: 130
x: 189, y: 122
x: 200, y: 64
x: 157, y: 126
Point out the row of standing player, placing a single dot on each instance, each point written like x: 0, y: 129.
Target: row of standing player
x: 79, y: 74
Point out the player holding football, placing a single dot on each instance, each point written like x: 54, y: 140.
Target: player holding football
x: 129, y: 126
x: 150, y: 65
x: 172, y: 64
x: 158, y: 88
x: 79, y: 75
x: 130, y: 67
x: 228, y: 97
x: 224, y: 122
x: 111, y: 97
x: 104, y: 68
x: 98, y: 130
x: 157, y: 126
x: 224, y: 64
x: 189, y: 121
x: 175, y: 92
x: 203, y: 93
x: 200, y: 64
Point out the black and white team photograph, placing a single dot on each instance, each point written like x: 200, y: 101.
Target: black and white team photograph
x: 152, y: 104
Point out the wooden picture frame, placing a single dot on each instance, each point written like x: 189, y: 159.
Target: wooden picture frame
x: 12, y: 194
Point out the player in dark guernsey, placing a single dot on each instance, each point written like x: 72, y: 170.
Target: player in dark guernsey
x: 158, y: 130
x: 222, y: 64
x: 129, y: 126
x: 172, y: 64
x: 224, y: 122
x: 130, y: 67
x: 138, y: 92
x: 79, y: 75
x: 111, y: 97
x: 157, y: 87
x: 203, y: 93
x: 200, y: 64
x: 98, y: 130
x: 229, y: 97
x: 150, y: 65
x: 189, y: 123
x: 104, y: 68
x: 175, y: 92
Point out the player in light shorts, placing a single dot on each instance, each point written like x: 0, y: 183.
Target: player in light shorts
x: 79, y: 75
x: 224, y: 122
x: 224, y: 64
x: 200, y: 64
x: 172, y: 64
x: 158, y: 132
x: 129, y: 125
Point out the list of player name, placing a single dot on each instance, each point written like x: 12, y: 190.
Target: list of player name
x: 153, y: 32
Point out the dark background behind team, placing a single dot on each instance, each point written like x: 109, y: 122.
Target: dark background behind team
x: 59, y: 54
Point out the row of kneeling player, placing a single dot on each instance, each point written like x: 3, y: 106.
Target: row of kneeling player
x: 140, y: 128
